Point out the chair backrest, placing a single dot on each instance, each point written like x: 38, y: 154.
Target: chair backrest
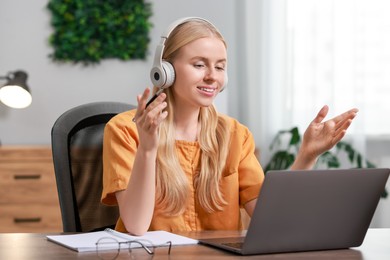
x: 77, y: 141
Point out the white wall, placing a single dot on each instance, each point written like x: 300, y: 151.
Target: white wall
x: 24, y: 32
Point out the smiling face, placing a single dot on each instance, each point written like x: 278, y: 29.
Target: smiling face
x: 200, y: 68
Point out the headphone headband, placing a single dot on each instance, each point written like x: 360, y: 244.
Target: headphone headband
x: 178, y: 22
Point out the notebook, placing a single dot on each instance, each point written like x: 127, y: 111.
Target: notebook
x: 84, y: 242
x: 310, y: 210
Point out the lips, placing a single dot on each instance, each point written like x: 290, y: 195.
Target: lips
x: 208, y: 90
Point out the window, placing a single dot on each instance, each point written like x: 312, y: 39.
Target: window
x: 338, y: 53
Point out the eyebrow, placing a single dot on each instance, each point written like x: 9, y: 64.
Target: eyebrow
x: 204, y: 58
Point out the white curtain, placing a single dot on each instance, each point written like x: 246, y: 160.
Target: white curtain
x: 315, y: 52
x: 298, y: 55
x: 339, y: 54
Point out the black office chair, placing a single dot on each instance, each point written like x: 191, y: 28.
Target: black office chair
x: 77, y: 137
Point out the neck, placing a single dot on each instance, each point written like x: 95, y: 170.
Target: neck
x: 186, y: 125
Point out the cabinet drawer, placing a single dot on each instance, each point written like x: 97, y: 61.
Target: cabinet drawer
x: 30, y: 218
x: 11, y: 171
x: 36, y: 183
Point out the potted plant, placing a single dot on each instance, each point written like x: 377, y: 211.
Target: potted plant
x: 286, y: 144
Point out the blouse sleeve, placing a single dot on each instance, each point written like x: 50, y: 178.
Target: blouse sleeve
x: 119, y: 148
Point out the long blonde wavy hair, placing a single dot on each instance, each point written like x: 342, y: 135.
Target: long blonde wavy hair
x: 173, y: 190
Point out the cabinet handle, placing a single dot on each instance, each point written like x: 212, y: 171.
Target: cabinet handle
x: 27, y: 177
x: 27, y: 220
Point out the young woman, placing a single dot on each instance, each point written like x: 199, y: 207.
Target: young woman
x: 177, y: 164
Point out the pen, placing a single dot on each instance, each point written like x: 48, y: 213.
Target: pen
x: 152, y: 99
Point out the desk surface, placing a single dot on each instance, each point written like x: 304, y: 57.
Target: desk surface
x: 376, y: 246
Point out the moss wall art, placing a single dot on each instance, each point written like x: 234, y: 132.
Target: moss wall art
x: 87, y: 31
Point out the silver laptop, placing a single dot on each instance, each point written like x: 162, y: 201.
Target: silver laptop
x: 310, y: 210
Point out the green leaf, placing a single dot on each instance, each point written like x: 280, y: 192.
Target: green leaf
x: 281, y: 160
x: 88, y: 31
x: 370, y: 164
x: 384, y: 194
x: 295, y: 137
x: 359, y: 161
x: 330, y: 160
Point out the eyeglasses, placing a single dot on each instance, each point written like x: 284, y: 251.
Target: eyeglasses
x: 109, y: 248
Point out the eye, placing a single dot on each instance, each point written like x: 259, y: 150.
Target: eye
x: 199, y: 65
x: 220, y: 66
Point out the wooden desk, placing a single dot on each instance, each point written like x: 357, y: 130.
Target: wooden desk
x: 16, y: 246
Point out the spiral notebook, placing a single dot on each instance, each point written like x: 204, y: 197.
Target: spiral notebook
x: 85, y: 242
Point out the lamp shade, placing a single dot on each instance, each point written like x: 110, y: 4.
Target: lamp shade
x: 15, y: 93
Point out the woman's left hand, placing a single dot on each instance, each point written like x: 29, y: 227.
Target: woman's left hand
x: 320, y: 136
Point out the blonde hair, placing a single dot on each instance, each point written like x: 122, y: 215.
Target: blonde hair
x: 172, y: 190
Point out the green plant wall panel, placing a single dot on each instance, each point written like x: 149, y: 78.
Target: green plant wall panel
x: 87, y: 31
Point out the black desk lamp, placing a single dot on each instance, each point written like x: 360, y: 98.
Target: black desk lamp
x: 15, y: 93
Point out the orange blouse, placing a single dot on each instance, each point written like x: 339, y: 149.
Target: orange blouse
x: 241, y: 181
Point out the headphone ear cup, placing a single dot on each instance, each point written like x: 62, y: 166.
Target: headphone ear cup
x: 164, y: 76
x: 169, y: 74
x: 157, y: 75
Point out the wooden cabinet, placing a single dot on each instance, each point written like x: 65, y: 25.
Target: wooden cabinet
x: 28, y: 192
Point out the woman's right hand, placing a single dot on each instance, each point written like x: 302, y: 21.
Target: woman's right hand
x: 137, y: 201
x: 149, y: 119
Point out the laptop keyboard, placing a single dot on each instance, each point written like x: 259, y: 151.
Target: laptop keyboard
x: 237, y: 245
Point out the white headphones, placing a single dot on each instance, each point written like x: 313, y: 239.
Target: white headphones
x: 163, y: 73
